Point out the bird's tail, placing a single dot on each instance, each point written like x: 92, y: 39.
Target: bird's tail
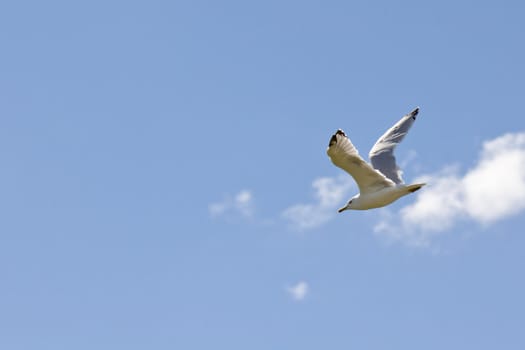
x: 415, y: 187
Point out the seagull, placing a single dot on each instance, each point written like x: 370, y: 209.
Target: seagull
x: 380, y: 182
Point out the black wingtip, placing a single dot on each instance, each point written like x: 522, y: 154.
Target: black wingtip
x: 333, y: 139
x: 414, y: 113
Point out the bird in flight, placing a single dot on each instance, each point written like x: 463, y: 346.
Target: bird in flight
x: 380, y: 182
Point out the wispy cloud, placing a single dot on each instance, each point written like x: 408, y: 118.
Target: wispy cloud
x: 492, y: 190
x: 329, y: 193
x: 299, y: 291
x: 240, y: 203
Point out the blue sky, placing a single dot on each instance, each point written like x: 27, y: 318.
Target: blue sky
x: 165, y: 183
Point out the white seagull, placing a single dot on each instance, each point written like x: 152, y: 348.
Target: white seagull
x: 380, y: 182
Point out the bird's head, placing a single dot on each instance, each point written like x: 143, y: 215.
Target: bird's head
x: 349, y: 205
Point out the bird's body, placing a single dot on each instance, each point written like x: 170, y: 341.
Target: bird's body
x: 380, y: 183
x: 382, y: 197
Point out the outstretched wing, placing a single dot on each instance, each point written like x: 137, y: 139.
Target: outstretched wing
x: 382, y: 154
x: 344, y: 155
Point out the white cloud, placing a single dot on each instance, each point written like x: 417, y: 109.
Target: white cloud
x: 329, y: 193
x: 216, y: 209
x: 241, y: 203
x: 490, y: 191
x: 298, y: 291
x: 244, y: 203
